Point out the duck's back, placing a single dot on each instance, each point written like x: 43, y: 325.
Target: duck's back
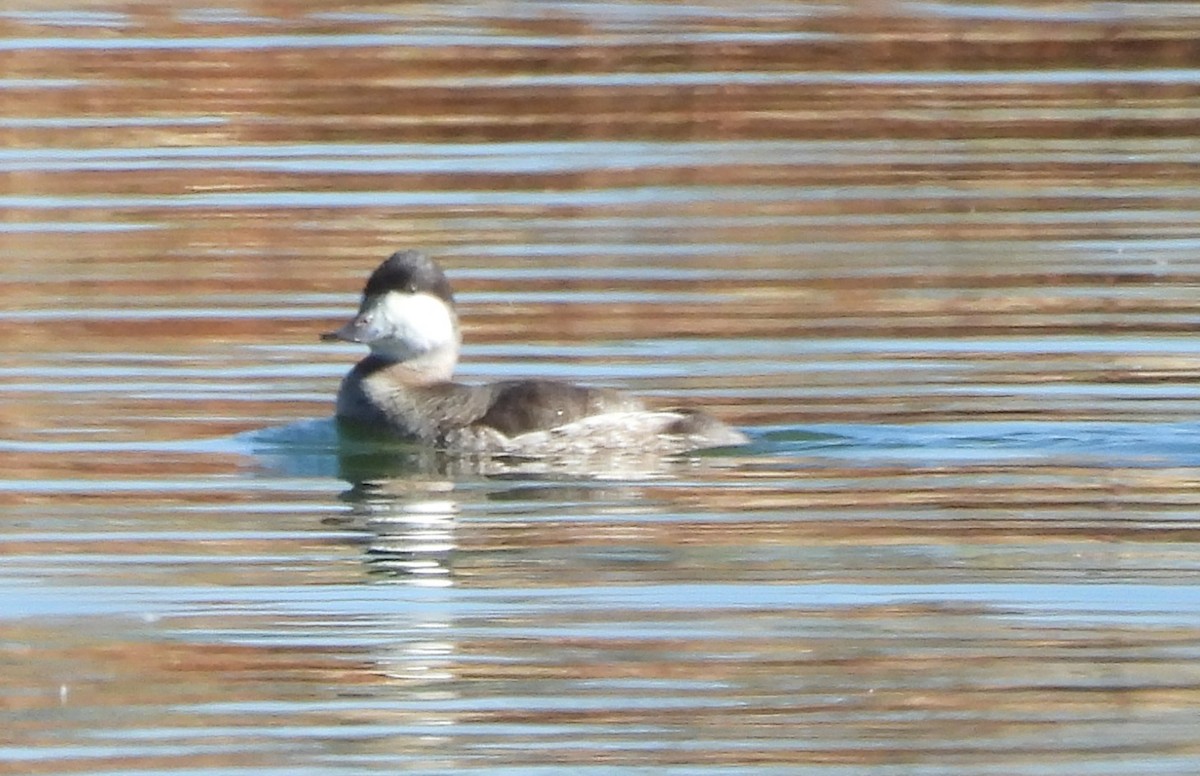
x: 520, y: 406
x: 544, y: 417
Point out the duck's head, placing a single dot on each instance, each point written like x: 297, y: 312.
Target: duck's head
x: 406, y: 314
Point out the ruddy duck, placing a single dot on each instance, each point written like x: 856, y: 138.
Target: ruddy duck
x: 403, y: 388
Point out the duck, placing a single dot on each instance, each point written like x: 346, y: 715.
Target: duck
x: 404, y: 388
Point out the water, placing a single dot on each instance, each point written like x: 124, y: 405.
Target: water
x: 939, y: 261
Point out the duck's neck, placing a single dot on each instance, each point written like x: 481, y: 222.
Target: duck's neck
x: 436, y: 366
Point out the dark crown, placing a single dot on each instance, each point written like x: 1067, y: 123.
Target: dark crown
x: 409, y: 272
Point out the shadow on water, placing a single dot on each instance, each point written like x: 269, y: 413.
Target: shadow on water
x: 320, y: 448
x: 326, y: 448
x: 404, y: 498
x: 404, y: 502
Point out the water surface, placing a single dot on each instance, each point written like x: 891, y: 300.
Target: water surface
x: 937, y: 260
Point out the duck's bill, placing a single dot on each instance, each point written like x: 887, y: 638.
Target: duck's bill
x: 349, y: 332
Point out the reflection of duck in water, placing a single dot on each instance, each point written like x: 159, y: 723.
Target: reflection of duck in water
x: 403, y: 387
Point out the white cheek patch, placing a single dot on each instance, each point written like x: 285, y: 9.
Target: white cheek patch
x: 410, y: 325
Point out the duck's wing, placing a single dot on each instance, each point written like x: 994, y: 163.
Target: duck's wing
x: 631, y: 434
x: 521, y: 406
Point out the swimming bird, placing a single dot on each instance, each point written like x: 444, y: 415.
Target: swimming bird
x: 403, y: 388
